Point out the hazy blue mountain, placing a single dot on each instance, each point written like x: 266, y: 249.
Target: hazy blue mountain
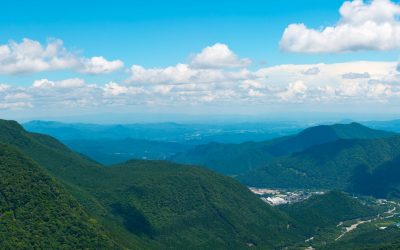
x: 110, y: 144
x: 110, y: 151
x: 391, y: 125
x: 233, y: 159
x: 169, y: 132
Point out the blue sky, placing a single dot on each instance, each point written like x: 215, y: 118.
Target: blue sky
x: 162, y: 34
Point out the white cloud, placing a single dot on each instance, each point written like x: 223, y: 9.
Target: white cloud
x: 163, y: 89
x: 4, y: 87
x: 183, y: 86
x: 294, y: 90
x: 70, y: 83
x: 30, y: 56
x: 255, y: 93
x: 99, y: 65
x: 218, y: 56
x: 43, y: 83
x: 64, y: 84
x: 253, y: 84
x: 115, y: 89
x: 363, y: 25
x: 183, y: 74
x: 16, y: 105
x: 17, y: 96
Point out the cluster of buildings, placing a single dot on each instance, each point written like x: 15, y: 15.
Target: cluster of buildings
x: 277, y: 197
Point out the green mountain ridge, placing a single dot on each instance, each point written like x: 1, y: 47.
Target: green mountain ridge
x: 234, y: 159
x: 368, y: 167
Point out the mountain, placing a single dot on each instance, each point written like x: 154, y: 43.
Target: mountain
x: 391, y: 125
x: 110, y: 151
x: 37, y: 213
x: 145, y: 204
x: 52, y: 197
x: 111, y: 144
x: 190, y: 206
x: 185, y: 133
x: 234, y: 159
x: 369, y: 167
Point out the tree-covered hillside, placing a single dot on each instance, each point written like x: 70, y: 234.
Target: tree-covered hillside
x: 336, y: 220
x: 37, y: 213
x: 190, y: 206
x: 324, y: 211
x: 152, y: 204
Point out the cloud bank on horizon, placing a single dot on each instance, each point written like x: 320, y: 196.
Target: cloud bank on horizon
x: 216, y: 74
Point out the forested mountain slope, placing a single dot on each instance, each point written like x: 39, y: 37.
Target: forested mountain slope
x: 145, y: 204
x: 37, y: 213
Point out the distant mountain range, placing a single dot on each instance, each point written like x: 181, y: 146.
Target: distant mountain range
x: 186, y: 133
x: 111, y: 144
x: 234, y: 159
x: 113, y: 151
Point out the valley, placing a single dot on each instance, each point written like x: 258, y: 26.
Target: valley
x: 200, y: 125
x: 147, y: 204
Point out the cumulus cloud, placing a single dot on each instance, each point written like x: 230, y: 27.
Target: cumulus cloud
x: 183, y: 85
x: 67, y: 83
x: 295, y: 90
x: 114, y: 89
x: 31, y: 56
x: 218, y: 56
x: 99, y: 65
x: 183, y: 74
x: 255, y: 93
x: 363, y: 26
